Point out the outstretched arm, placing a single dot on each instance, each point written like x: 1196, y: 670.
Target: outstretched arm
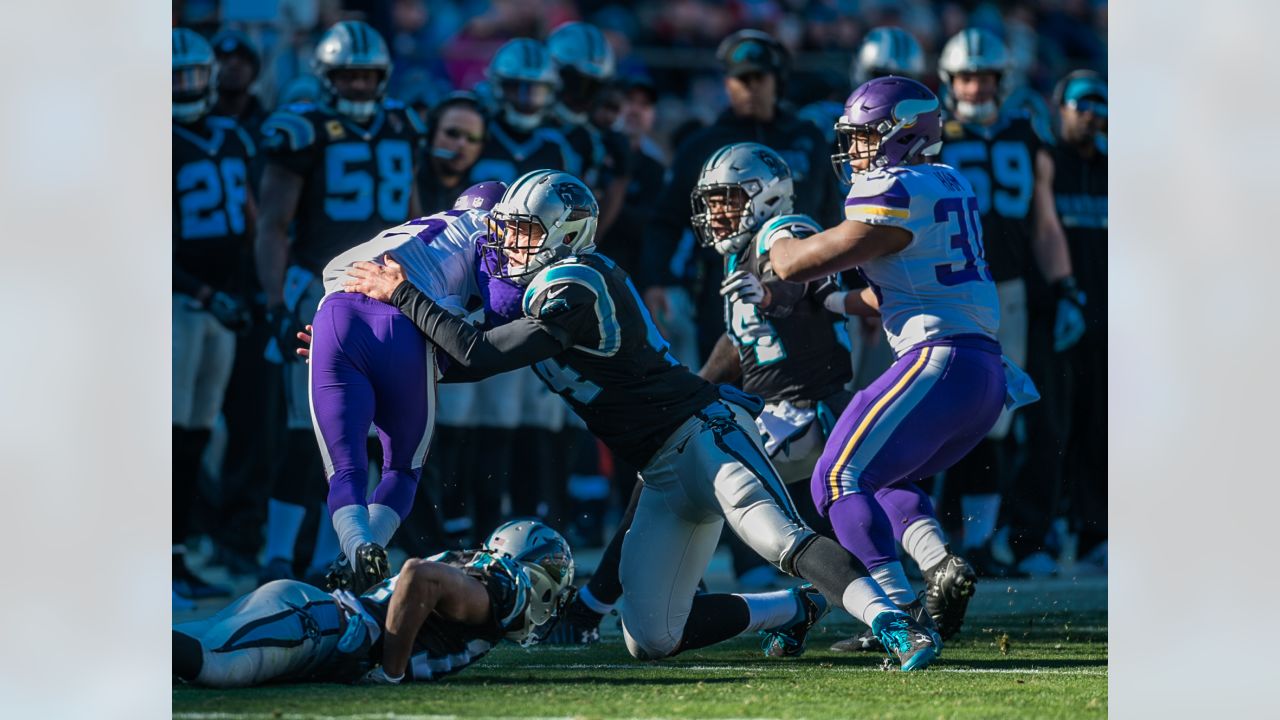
x: 844, y: 246
x: 518, y: 343
x: 422, y: 588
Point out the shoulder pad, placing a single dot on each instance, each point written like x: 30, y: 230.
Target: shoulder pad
x: 288, y: 130
x: 880, y: 194
x: 794, y: 225
x: 570, y: 284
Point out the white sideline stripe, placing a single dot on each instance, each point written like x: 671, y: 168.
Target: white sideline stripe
x: 805, y: 669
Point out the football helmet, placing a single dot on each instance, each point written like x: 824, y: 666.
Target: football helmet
x: 545, y: 216
x: 887, y: 50
x: 193, y: 68
x: 352, y: 45
x: 749, y: 175
x: 889, y: 121
x: 585, y: 61
x: 972, y: 50
x: 481, y: 196
x: 523, y: 81
x: 547, y: 560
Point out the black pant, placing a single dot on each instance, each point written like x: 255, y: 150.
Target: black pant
x: 1086, y: 457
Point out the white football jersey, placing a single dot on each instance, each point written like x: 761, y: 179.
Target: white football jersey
x: 437, y: 252
x: 939, y: 284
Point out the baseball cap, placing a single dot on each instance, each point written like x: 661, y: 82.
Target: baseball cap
x: 751, y: 51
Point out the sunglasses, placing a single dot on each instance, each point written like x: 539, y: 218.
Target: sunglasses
x: 1089, y: 106
x: 457, y: 134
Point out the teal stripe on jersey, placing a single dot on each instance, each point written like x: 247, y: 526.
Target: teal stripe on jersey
x: 590, y: 278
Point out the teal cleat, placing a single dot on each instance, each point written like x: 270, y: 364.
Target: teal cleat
x: 905, y: 639
x: 788, y: 641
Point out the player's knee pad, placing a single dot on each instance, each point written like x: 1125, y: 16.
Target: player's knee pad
x: 646, y: 642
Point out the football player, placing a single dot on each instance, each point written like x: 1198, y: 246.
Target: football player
x: 434, y: 618
x: 340, y: 172
x: 585, y: 62
x: 213, y: 216
x: 912, y: 230
x: 577, y: 318
x: 369, y: 367
x: 1009, y: 165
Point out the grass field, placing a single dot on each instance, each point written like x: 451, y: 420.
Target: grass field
x: 1025, y: 665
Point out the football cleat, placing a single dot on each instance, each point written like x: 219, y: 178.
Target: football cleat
x: 339, y: 576
x: 788, y: 641
x: 867, y: 641
x: 948, y: 588
x: 371, y: 567
x: 905, y: 639
x: 578, y: 625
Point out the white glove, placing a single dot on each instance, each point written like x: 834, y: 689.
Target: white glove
x: 835, y: 302
x: 743, y: 286
x: 378, y: 676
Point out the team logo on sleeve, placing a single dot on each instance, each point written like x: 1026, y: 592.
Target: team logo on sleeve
x: 334, y: 128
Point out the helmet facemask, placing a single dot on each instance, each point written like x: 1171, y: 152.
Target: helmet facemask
x: 193, y: 92
x: 361, y: 106
x: 514, y: 240
x: 525, y: 103
x: 859, y: 150
x: 724, y: 215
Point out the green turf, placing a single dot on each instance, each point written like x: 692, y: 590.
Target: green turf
x: 1018, y: 667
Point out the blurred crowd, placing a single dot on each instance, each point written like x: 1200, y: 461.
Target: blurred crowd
x: 252, y: 483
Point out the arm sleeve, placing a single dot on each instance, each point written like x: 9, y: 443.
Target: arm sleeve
x: 519, y: 343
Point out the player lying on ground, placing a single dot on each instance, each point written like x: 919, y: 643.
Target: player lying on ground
x: 575, y: 316
x: 908, y: 226
x: 369, y: 366
x: 436, y: 617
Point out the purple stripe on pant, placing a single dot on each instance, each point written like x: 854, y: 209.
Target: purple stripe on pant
x: 926, y: 411
x: 370, y: 366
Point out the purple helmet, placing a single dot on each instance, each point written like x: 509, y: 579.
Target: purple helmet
x: 902, y: 111
x: 481, y: 196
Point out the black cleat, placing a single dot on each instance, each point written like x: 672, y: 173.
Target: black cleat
x: 905, y: 639
x: 789, y: 641
x: 371, y: 567
x: 339, y: 576
x: 578, y: 625
x: 946, y: 597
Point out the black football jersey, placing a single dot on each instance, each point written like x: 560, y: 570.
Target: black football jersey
x: 211, y: 158
x: 442, y: 646
x: 1080, y: 194
x: 798, y: 351
x: 357, y: 180
x: 1000, y: 163
x: 508, y: 154
x: 602, y: 155
x: 619, y: 375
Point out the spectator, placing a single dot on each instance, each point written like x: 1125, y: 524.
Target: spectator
x: 456, y: 132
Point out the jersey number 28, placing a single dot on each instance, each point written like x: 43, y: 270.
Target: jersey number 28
x: 212, y: 198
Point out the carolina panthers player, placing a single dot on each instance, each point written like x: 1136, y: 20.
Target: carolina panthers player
x: 434, y: 618
x: 213, y: 216
x: 577, y: 318
x: 585, y: 61
x: 369, y: 367
x: 339, y: 172
x: 912, y: 230
x: 1009, y: 165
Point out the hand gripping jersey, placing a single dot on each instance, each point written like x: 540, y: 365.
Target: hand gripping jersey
x: 210, y: 195
x: 939, y: 284
x: 618, y: 375
x: 791, y: 351
x: 1000, y: 163
x: 356, y: 180
x: 437, y: 252
x: 443, y: 647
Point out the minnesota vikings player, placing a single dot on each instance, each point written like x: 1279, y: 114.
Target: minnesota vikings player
x: 911, y: 228
x: 434, y: 618
x: 370, y: 366
x: 577, y: 318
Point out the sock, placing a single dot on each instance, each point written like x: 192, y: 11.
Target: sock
x: 864, y: 599
x: 713, y: 618
x: 326, y: 548
x: 283, y: 521
x: 352, y: 524
x: 771, y: 610
x: 593, y: 602
x: 383, y: 521
x: 893, y: 580
x: 980, y: 515
x: 925, y: 542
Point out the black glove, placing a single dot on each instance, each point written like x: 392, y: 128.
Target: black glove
x: 284, y: 328
x: 230, y: 311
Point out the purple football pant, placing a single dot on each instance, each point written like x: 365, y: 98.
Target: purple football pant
x: 371, y: 366
x: 926, y: 411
